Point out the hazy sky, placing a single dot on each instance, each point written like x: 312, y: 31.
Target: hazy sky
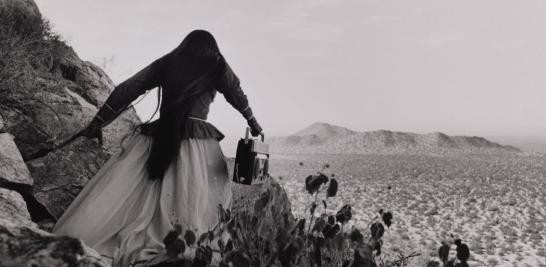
x: 460, y: 67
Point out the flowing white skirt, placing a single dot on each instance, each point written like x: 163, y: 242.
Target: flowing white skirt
x: 125, y: 216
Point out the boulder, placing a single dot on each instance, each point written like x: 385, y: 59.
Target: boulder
x: 245, y: 196
x: 23, y: 244
x: 12, y: 166
x: 90, y: 86
x: 27, y: 246
x: 13, y: 208
x: 61, y: 102
x: 268, y: 203
x: 274, y: 216
x: 15, y: 176
x: 64, y: 172
x: 1, y: 124
x: 29, y: 6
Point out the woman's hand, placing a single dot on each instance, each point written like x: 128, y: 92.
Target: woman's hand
x: 93, y: 130
x: 255, y: 128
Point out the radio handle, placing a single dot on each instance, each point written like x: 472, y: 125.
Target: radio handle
x: 247, y: 132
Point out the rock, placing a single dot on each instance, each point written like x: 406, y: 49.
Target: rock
x: 57, y: 93
x: 13, y: 207
x: 12, y: 166
x: 57, y: 107
x: 15, y: 176
x: 510, y: 202
x: 23, y: 244
x: 245, y: 196
x: 29, y: 6
x: 432, y: 212
x: 268, y: 202
x: 90, y: 86
x: 279, y: 207
x: 1, y: 124
x: 63, y: 173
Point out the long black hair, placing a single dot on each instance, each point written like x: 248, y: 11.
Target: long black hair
x: 188, y: 72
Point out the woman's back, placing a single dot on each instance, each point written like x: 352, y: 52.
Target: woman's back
x: 182, y: 70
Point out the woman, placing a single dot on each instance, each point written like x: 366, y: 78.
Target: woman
x: 169, y: 171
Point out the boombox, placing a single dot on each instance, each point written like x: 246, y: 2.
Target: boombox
x: 251, y: 160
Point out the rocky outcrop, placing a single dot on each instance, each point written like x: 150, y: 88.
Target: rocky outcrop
x: 59, y: 96
x: 47, y: 96
x: 13, y: 208
x: 1, y: 124
x: 62, y: 101
x: 13, y: 168
x: 61, y: 174
x: 22, y: 243
x: 28, y: 6
x: 267, y: 198
x: 14, y: 175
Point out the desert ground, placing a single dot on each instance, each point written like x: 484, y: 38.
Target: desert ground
x: 495, y: 203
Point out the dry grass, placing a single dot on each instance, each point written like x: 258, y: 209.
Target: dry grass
x: 25, y: 46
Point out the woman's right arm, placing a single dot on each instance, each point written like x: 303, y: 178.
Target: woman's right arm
x: 128, y: 91
x: 123, y: 95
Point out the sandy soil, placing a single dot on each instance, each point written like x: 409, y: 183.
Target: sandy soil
x: 495, y: 204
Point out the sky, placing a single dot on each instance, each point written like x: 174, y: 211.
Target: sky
x: 461, y: 67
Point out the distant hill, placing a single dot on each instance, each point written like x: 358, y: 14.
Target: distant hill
x: 530, y: 144
x: 317, y: 133
x: 324, y: 138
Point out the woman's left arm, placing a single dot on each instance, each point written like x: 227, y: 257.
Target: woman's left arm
x: 229, y: 85
x: 129, y: 90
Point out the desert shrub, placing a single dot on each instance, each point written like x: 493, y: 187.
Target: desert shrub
x: 461, y: 257
x: 541, y: 252
x: 492, y: 262
x: 25, y: 44
x: 321, y: 239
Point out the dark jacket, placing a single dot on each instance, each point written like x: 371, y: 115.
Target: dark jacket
x: 151, y: 76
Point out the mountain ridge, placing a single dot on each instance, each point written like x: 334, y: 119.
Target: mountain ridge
x: 325, y: 138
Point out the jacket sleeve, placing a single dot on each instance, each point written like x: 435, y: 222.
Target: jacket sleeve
x: 129, y: 90
x: 230, y: 86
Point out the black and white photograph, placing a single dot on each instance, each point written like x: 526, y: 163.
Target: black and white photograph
x: 313, y: 133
